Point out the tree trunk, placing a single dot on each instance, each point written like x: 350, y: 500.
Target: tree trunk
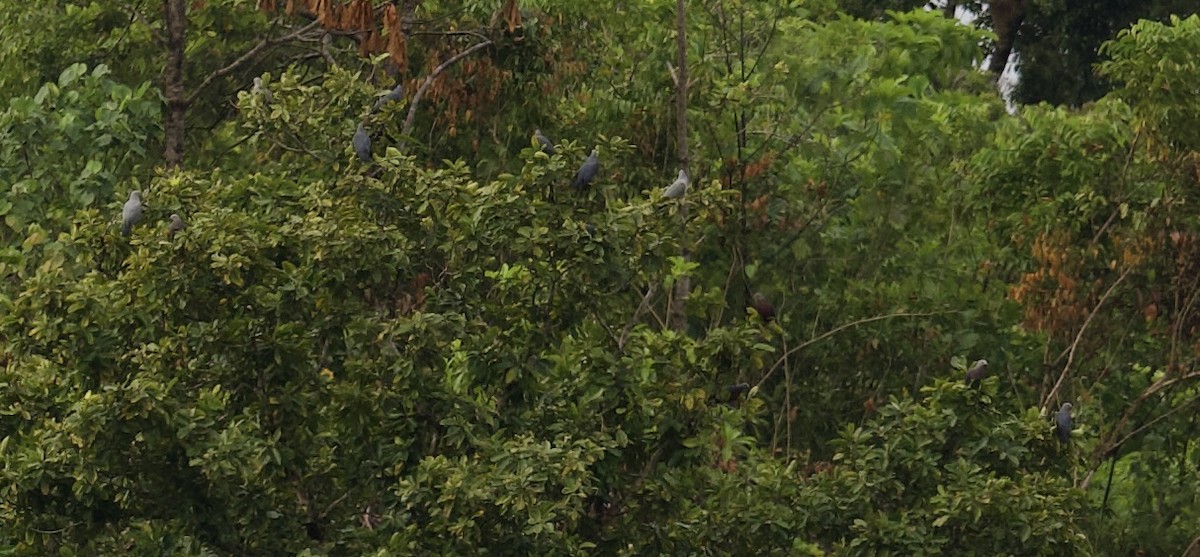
x: 675, y: 314
x: 950, y: 9
x: 1007, y: 16
x: 174, y: 125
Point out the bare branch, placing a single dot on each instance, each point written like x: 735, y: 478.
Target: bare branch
x: 416, y: 100
x: 262, y: 45
x: 1078, y: 336
x: 839, y: 329
x: 637, y: 314
x: 1188, y: 552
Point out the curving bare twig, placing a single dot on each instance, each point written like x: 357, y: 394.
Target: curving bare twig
x: 266, y: 42
x: 416, y: 100
x: 1079, y: 336
x: 839, y: 329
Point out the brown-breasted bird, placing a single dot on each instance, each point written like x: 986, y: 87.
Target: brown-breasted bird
x: 176, y: 225
x: 764, y: 307
x: 977, y: 372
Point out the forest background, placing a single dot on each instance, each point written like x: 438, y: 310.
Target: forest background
x: 447, y: 349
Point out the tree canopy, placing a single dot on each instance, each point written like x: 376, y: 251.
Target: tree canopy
x: 437, y: 345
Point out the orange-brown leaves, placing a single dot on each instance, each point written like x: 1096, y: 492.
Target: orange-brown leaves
x: 357, y: 15
x: 267, y: 6
x: 511, y: 13
x: 465, y: 92
x: 1049, y: 293
x: 397, y: 43
x: 324, y: 13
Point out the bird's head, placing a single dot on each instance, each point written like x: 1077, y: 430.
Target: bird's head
x: 135, y: 195
x: 982, y: 363
x: 175, y: 217
x: 1066, y: 407
x: 258, y: 83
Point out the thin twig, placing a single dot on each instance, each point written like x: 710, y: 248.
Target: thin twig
x: 1079, y: 336
x: 1188, y: 552
x: 839, y: 329
x: 637, y: 315
x: 268, y: 41
x: 416, y: 100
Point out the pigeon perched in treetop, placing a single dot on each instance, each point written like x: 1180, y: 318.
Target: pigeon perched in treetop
x: 362, y: 143
x: 764, y: 307
x: 397, y: 93
x: 678, y: 187
x: 176, y: 225
x: 588, y: 171
x: 131, y: 213
x: 261, y: 89
x: 1062, y: 423
x: 977, y: 372
x: 547, y: 145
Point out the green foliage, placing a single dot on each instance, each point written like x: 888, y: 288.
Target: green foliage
x: 450, y: 351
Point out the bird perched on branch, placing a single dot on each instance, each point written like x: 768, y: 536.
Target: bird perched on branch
x: 977, y: 372
x: 678, y: 187
x: 588, y: 171
x: 131, y: 212
x: 547, y: 146
x: 362, y: 143
x: 733, y: 394
x: 176, y: 225
x: 260, y: 89
x: 1062, y: 423
x: 764, y: 307
x: 396, y: 94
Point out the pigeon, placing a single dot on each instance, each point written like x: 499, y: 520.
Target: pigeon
x: 588, y: 171
x: 397, y: 93
x: 547, y: 145
x: 678, y: 187
x: 977, y: 372
x: 362, y: 143
x: 176, y: 225
x: 261, y: 89
x: 1062, y: 423
x: 131, y: 213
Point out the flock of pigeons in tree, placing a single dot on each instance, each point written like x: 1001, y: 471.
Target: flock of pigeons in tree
x: 361, y: 143
x: 131, y: 214
x: 1062, y: 418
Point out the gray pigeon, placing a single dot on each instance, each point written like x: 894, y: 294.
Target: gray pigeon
x: 977, y: 372
x: 1062, y: 423
x: 547, y: 145
x: 397, y: 93
x: 677, y: 188
x: 131, y: 213
x: 261, y: 89
x: 588, y: 171
x: 362, y: 143
x: 176, y: 225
